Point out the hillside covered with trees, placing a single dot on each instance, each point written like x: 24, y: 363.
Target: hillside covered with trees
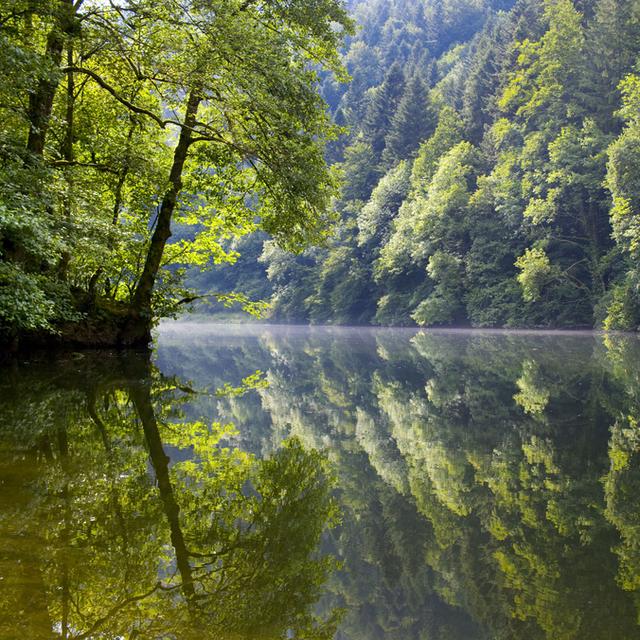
x: 490, y: 171
x: 479, y: 168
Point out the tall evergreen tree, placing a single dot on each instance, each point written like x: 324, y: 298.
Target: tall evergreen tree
x: 382, y: 105
x: 613, y: 38
x: 412, y: 122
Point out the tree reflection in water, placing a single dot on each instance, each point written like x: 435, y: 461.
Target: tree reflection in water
x: 488, y: 488
x: 490, y: 483
x: 121, y: 519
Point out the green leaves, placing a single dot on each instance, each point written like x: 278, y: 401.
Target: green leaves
x: 535, y: 272
x: 106, y: 88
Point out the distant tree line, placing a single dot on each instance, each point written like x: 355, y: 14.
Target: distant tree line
x: 490, y: 170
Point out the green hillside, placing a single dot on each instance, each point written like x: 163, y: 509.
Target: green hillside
x: 489, y: 171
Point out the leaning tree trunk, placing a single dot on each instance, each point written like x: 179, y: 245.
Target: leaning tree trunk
x: 140, y: 394
x: 162, y: 232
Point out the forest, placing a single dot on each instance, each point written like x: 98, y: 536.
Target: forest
x: 387, y: 162
x: 489, y: 172
x: 123, y: 121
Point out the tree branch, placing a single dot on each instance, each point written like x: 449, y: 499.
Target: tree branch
x: 114, y: 610
x: 107, y: 87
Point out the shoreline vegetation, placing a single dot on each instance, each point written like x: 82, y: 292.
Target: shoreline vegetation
x: 447, y: 163
x: 123, y: 121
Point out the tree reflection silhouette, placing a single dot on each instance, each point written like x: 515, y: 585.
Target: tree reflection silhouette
x: 489, y: 481
x: 489, y: 487
x: 119, y: 519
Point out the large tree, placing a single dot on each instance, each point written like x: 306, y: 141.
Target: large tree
x: 124, y: 119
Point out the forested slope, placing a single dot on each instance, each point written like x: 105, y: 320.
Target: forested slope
x: 490, y: 170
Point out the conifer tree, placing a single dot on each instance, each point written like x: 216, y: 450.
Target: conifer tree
x: 412, y: 122
x: 382, y: 105
x: 613, y: 39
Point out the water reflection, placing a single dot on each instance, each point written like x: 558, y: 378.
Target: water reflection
x: 121, y: 518
x: 489, y: 482
x: 488, y: 487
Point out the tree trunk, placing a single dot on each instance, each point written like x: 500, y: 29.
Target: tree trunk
x: 162, y: 233
x: 67, y: 154
x: 41, y: 100
x: 65, y: 589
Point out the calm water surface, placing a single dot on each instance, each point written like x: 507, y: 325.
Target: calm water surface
x: 249, y: 482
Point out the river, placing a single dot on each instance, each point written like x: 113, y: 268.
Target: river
x: 256, y: 482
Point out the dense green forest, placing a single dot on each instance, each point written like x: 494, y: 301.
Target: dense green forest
x: 479, y: 168
x: 490, y: 171
x: 126, y: 122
